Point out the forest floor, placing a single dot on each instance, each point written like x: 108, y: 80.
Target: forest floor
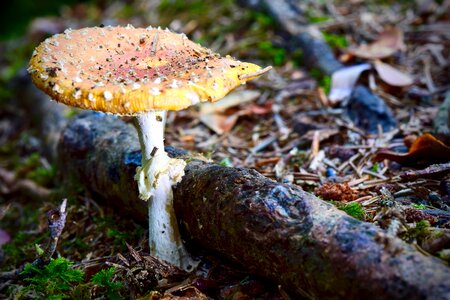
x: 289, y: 125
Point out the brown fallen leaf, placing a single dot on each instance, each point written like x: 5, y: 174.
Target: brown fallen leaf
x: 219, y: 123
x: 388, y: 42
x: 323, y: 133
x: 214, y: 115
x: 391, y: 75
x: 425, y: 150
x: 231, y: 100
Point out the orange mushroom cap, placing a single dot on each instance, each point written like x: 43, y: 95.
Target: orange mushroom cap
x: 127, y: 70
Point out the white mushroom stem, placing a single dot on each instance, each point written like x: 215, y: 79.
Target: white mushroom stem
x: 155, y: 179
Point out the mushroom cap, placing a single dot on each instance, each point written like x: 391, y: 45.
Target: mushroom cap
x: 127, y: 70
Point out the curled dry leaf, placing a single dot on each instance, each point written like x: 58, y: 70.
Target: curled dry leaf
x: 391, y: 75
x: 219, y: 123
x: 344, y: 80
x: 231, y: 100
x: 387, y: 43
x: 214, y: 114
x: 424, y: 151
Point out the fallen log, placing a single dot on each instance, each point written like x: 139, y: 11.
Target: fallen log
x: 275, y: 230
x: 364, y: 108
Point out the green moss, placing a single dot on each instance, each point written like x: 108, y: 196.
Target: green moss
x: 104, y: 279
x: 314, y: 18
x: 53, y: 281
x: 422, y: 229
x: 276, y: 54
x: 34, y: 167
x: 71, y: 112
x: 226, y: 162
x: 21, y: 224
x: 355, y: 210
x: 418, y: 206
x: 375, y: 168
x: 60, y: 280
x: 323, y: 80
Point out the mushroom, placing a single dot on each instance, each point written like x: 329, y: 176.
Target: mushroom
x: 143, y: 73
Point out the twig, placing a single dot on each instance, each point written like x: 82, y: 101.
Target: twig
x: 263, y: 144
x: 56, y: 219
x: 257, y: 73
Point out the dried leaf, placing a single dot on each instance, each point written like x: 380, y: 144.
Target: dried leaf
x: 257, y: 109
x: 387, y: 43
x: 214, y: 114
x: 344, y: 80
x: 183, y: 292
x: 230, y: 100
x: 323, y: 134
x: 424, y: 151
x: 391, y: 75
x: 219, y: 123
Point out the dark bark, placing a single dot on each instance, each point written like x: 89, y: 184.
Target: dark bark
x: 275, y: 230
x: 364, y: 108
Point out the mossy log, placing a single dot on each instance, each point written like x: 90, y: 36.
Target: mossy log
x: 275, y: 230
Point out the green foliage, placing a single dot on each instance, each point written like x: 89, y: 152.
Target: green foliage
x: 418, y: 206
x: 118, y: 232
x: 22, y: 245
x: 39, y: 250
x: 14, y: 56
x: 177, y: 6
x: 375, y: 168
x: 276, y: 54
x: 33, y: 168
x: 226, y: 162
x: 104, y: 278
x: 323, y: 80
x: 42, y: 175
x: 314, y: 18
x: 72, y: 112
x: 119, y: 237
x: 59, y: 280
x: 53, y: 281
x: 263, y: 20
x: 355, y: 210
x: 17, y: 14
x: 420, y: 231
x: 334, y: 40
